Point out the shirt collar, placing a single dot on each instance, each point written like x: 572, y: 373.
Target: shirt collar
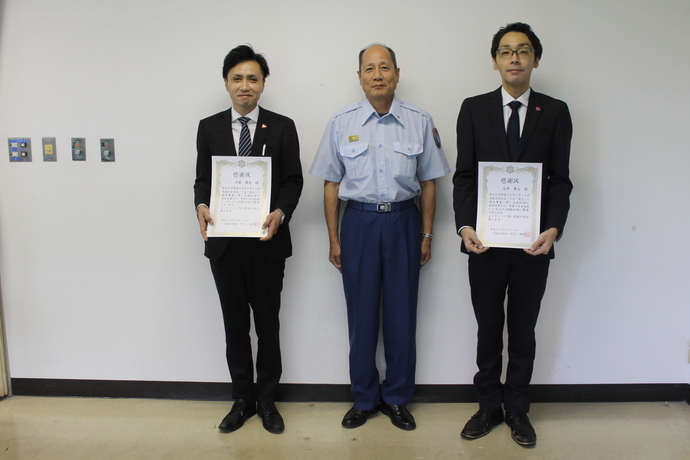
x: 507, y: 98
x: 253, y: 115
x: 368, y: 111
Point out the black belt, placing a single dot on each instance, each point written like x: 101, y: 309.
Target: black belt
x: 381, y: 207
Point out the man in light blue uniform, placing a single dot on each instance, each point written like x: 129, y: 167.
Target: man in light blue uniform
x: 379, y: 155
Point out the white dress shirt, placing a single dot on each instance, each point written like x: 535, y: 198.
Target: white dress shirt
x: 237, y: 126
x: 507, y: 111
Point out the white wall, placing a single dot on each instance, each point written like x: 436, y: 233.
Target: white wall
x: 102, y: 269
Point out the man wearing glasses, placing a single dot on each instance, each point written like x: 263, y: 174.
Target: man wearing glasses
x: 510, y: 124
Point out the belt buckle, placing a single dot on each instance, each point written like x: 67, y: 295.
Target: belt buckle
x: 383, y: 207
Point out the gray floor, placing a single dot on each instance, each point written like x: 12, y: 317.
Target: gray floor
x: 85, y: 428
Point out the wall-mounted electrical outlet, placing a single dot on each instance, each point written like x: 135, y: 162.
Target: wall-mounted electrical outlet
x: 49, y: 149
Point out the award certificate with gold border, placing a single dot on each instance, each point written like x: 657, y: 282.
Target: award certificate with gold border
x: 240, y: 195
x: 508, y: 204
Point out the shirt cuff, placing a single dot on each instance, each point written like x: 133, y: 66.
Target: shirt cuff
x: 464, y: 226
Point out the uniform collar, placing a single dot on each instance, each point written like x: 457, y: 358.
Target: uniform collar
x: 368, y: 111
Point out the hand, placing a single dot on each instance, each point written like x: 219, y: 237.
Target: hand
x: 272, y: 223
x: 471, y: 240
x: 426, y: 252
x: 334, y: 256
x: 204, y: 216
x: 543, y: 243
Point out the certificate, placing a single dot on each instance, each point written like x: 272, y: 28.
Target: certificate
x: 240, y: 195
x: 508, y: 204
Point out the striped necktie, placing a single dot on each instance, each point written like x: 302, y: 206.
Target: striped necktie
x: 245, y: 145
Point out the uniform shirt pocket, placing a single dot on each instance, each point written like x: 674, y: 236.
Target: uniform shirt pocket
x: 355, y: 160
x: 404, y: 161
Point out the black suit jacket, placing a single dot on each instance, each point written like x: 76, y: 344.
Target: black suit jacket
x: 279, y: 136
x: 545, y: 139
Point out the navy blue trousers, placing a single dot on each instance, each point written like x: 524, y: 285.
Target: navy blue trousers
x: 380, y: 255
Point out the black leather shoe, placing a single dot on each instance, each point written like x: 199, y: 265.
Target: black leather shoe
x: 241, y: 411
x: 521, y: 429
x: 481, y: 423
x: 399, y: 415
x: 273, y: 421
x: 355, y: 418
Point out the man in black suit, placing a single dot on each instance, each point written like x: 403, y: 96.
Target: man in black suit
x: 484, y: 128
x: 248, y: 272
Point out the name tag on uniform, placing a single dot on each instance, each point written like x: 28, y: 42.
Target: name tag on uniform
x: 353, y: 138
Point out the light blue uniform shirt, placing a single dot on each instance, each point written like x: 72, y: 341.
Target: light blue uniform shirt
x: 380, y: 159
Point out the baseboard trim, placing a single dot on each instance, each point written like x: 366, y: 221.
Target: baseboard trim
x: 291, y: 392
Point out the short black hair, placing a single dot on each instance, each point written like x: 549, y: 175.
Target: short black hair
x: 517, y: 27
x: 361, y: 53
x: 244, y: 53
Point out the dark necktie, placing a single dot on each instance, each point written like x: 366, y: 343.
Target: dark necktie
x: 245, y: 145
x: 513, y: 131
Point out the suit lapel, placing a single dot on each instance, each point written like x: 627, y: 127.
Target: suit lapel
x: 534, y: 110
x: 260, y: 134
x: 498, y: 122
x: 226, y: 132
